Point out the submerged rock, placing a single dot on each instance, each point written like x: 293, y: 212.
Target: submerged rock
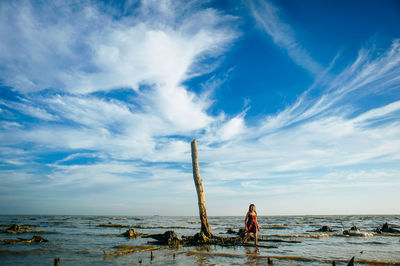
x: 325, y: 228
x: 14, y: 227
x: 21, y: 229
x: 386, y: 228
x: 131, y: 233
x: 114, y: 225
x: 38, y: 239
x: 34, y: 239
x: 201, y: 237
x: 354, y: 228
x: 241, y: 232
x: 231, y: 231
x: 167, y: 238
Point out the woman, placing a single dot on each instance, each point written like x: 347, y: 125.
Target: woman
x: 250, y: 223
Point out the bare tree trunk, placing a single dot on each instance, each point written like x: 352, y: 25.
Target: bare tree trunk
x: 205, y: 228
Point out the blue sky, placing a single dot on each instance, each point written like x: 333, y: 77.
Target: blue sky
x: 295, y: 106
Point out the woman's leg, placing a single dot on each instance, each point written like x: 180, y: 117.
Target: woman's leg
x: 246, y: 237
x: 255, y: 238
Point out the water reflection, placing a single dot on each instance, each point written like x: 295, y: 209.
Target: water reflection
x: 252, y: 256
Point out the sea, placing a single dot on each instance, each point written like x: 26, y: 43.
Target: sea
x: 295, y: 240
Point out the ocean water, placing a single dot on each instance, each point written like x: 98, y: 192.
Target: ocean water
x: 79, y: 240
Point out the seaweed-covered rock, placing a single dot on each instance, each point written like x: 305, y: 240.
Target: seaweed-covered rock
x: 34, y: 239
x: 354, y: 228
x: 114, y: 225
x: 200, y: 237
x: 346, y: 232
x: 241, y: 232
x: 167, y: 238
x: 14, y: 227
x: 38, y: 239
x: 386, y: 228
x: 131, y: 233
x: 231, y: 231
x: 325, y: 228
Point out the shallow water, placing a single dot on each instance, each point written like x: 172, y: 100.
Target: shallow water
x: 80, y: 240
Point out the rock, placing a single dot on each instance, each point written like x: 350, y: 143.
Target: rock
x: 114, y: 225
x: 38, y: 239
x: 241, y: 232
x: 325, y: 228
x: 34, y: 239
x: 200, y: 237
x: 231, y: 231
x: 354, y: 228
x: 131, y: 233
x: 386, y: 228
x: 14, y: 227
x: 167, y: 238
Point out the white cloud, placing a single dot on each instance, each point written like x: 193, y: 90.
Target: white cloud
x: 28, y: 108
x: 368, y: 75
x: 81, y: 50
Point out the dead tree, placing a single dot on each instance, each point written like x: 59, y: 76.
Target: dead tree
x: 205, y: 227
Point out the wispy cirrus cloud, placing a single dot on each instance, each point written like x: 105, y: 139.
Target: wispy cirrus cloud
x: 267, y: 16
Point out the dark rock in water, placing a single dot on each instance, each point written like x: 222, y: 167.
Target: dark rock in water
x: 231, y: 231
x: 14, y: 227
x: 200, y: 237
x: 168, y: 238
x: 114, y: 225
x: 131, y: 233
x: 354, y: 228
x: 325, y: 228
x: 34, y: 239
x: 386, y: 228
x: 241, y: 232
x: 346, y: 232
x: 38, y: 239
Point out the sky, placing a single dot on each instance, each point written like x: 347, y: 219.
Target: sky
x: 295, y: 106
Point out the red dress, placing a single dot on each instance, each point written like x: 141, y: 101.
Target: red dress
x: 252, y: 224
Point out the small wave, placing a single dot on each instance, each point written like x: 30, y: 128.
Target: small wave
x: 294, y: 258
x: 368, y: 243
x: 92, y: 235
x: 8, y: 252
x: 335, y: 234
x: 166, y: 227
x: 56, y: 222
x: 388, y: 234
x: 223, y: 254
x: 304, y: 236
x: 358, y: 233
x: 84, y: 252
x: 274, y: 226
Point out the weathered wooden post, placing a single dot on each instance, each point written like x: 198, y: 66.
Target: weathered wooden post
x: 205, y: 227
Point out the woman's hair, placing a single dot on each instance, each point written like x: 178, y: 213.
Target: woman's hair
x: 254, y: 208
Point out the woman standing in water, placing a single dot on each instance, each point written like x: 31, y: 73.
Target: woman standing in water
x: 250, y: 223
